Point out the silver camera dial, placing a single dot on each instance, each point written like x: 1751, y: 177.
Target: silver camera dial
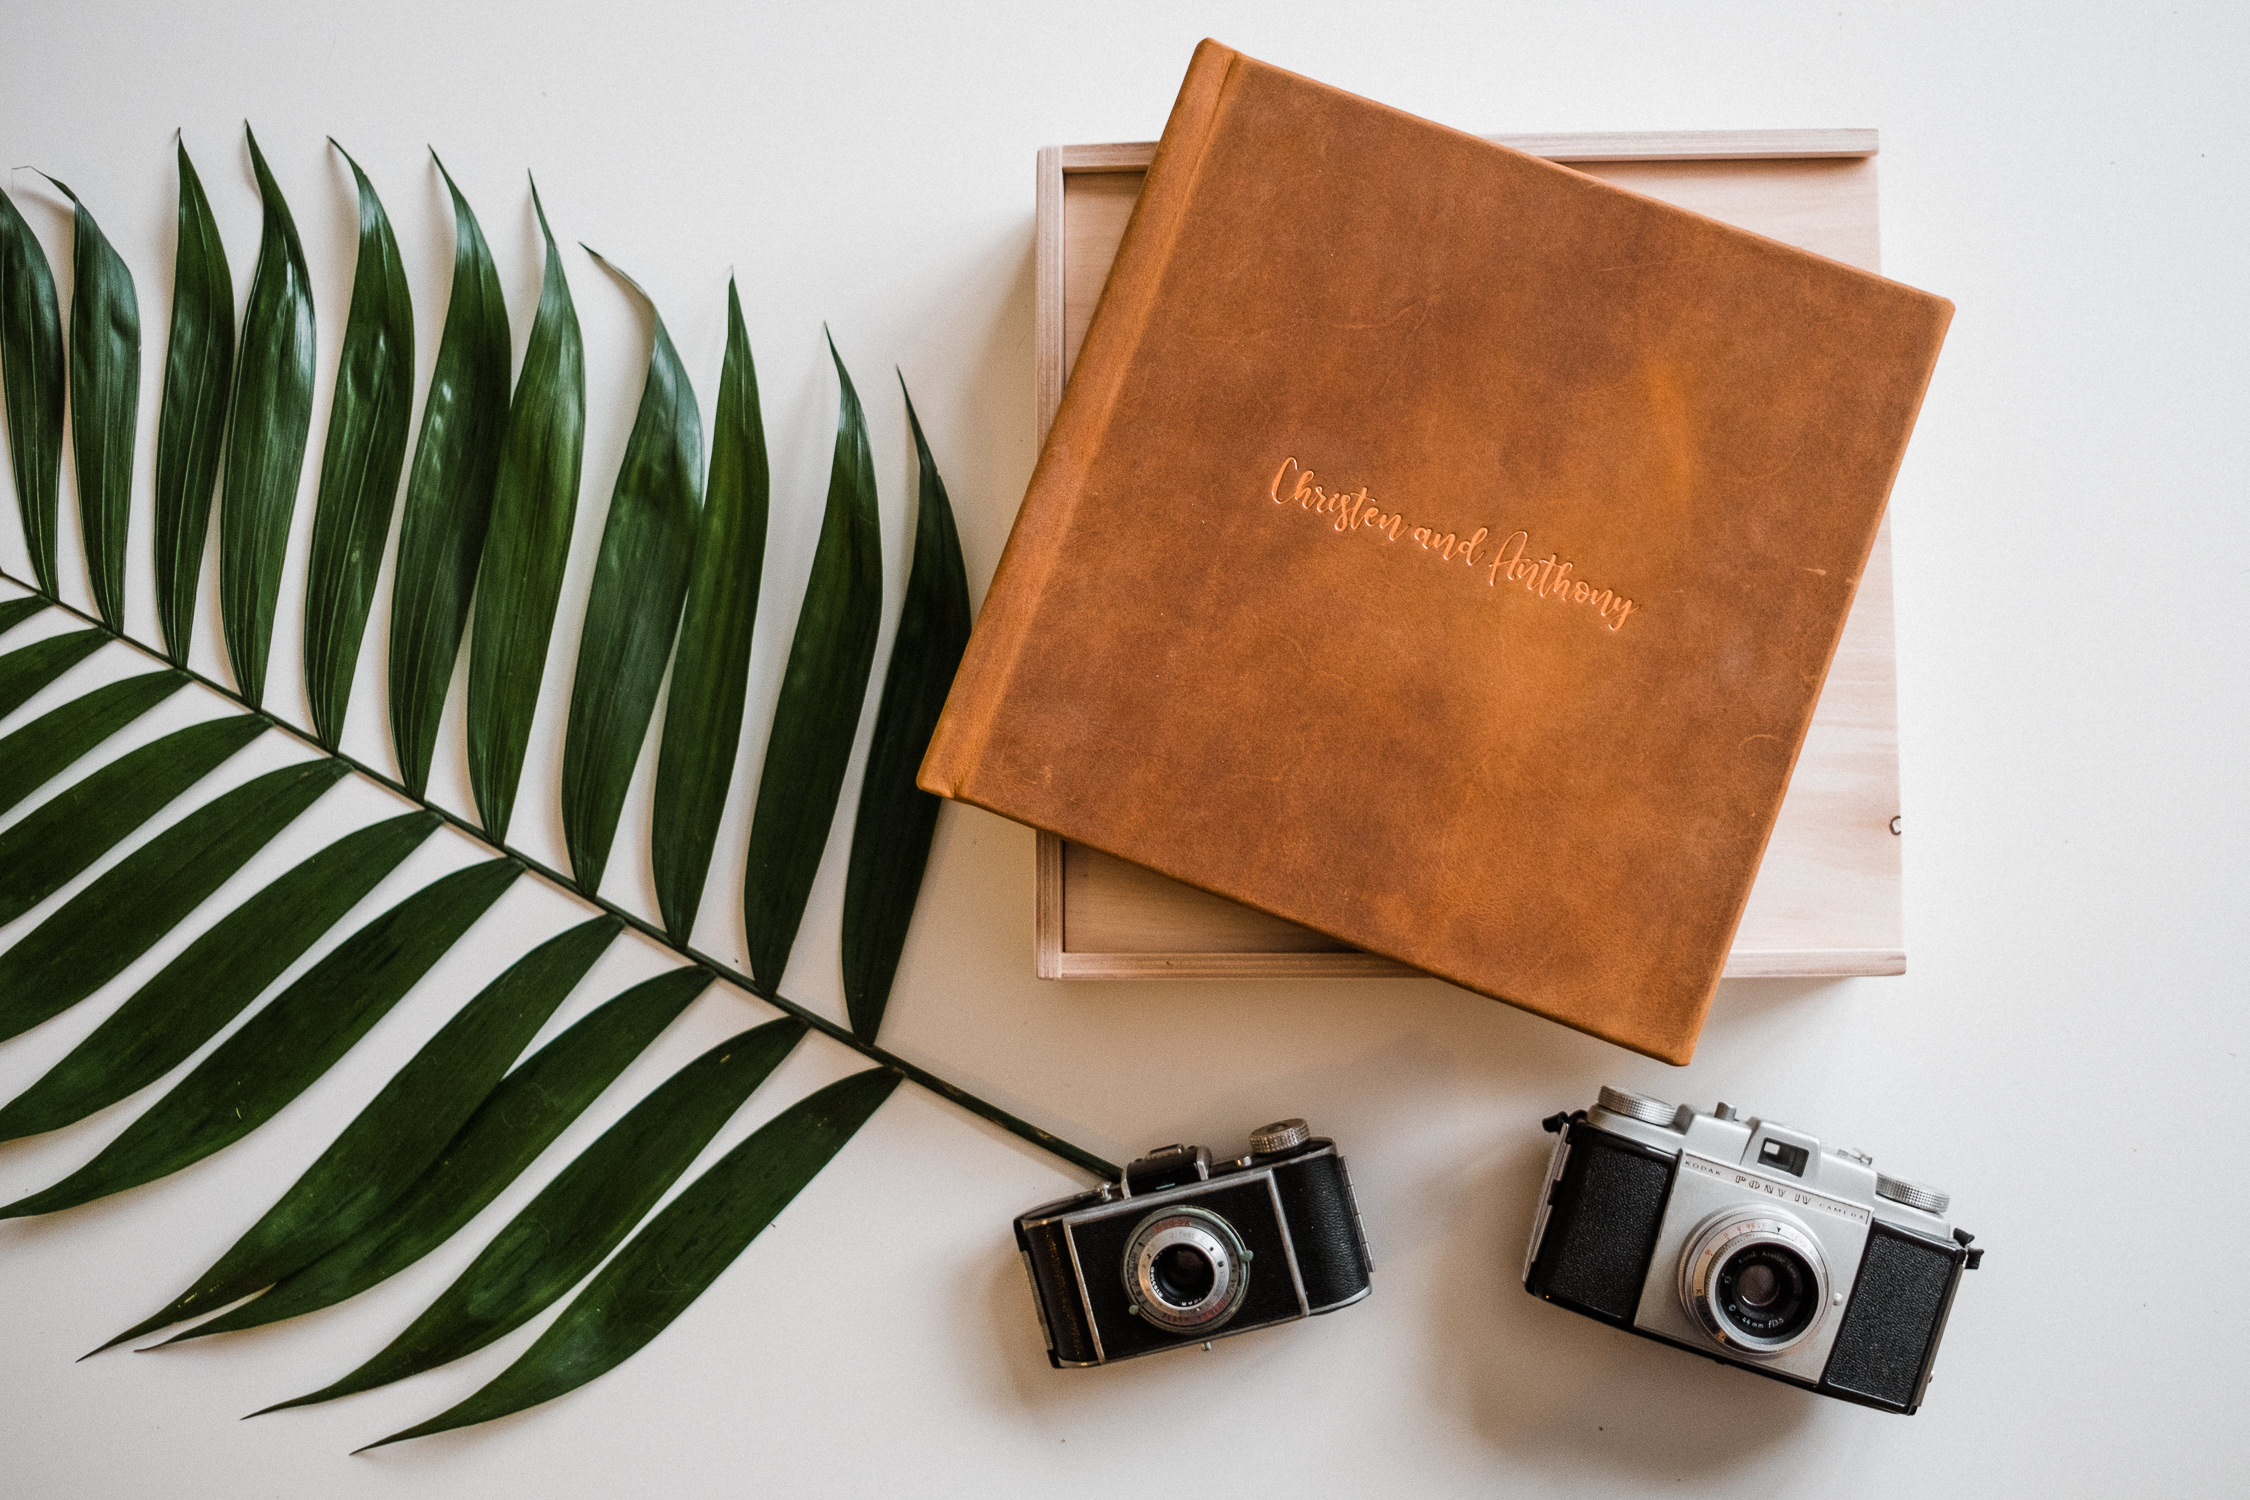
x: 1754, y: 1281
x: 1635, y: 1106
x: 1186, y: 1270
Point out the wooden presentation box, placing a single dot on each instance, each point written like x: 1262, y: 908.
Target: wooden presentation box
x: 1826, y: 901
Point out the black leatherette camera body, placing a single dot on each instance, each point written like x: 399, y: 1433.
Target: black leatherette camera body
x: 1291, y: 1214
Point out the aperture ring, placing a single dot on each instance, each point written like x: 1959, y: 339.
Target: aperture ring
x: 1200, y: 1232
x: 1720, y: 1238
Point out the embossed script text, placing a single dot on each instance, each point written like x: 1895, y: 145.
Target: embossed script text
x: 1511, y: 561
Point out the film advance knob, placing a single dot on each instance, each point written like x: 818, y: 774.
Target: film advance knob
x: 1635, y: 1106
x: 1912, y: 1194
x: 1281, y: 1135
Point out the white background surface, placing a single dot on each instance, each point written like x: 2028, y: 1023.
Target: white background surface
x: 2065, y: 1054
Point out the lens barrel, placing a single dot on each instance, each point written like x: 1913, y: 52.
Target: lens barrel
x: 1186, y: 1270
x: 1766, y: 1291
x: 1754, y: 1282
x: 1182, y: 1275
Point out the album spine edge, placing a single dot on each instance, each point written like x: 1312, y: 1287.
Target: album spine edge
x: 1043, y: 524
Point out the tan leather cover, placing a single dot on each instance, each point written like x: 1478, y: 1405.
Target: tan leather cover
x: 1441, y: 549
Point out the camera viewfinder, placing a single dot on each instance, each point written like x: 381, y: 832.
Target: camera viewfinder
x: 1782, y: 1156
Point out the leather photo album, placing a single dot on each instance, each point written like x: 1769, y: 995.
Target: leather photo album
x: 1440, y: 549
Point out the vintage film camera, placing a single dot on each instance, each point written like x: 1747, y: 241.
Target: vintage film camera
x: 1184, y: 1251
x: 1746, y: 1241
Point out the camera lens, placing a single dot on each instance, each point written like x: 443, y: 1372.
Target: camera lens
x: 1186, y: 1270
x: 1182, y: 1274
x: 1754, y: 1280
x: 1767, y: 1292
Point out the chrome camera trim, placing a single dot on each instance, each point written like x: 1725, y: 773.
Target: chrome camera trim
x: 1209, y: 1236
x: 1557, y: 1159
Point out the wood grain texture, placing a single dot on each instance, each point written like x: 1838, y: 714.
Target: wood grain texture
x: 1826, y: 902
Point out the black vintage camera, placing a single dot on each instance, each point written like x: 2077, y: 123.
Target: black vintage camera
x: 1184, y: 1251
x: 1748, y: 1242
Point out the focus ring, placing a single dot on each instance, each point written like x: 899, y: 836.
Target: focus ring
x: 1715, y: 1242
x: 1205, y: 1235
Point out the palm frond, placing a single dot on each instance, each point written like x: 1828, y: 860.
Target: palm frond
x: 490, y: 503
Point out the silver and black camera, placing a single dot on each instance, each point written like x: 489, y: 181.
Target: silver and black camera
x: 1750, y: 1243
x: 1184, y: 1251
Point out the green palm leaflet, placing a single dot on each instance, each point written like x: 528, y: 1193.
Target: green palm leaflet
x: 214, y: 980
x: 897, y: 819
x: 50, y: 845
x: 360, y: 465
x: 448, y: 496
x: 401, y: 1131
x: 822, y: 692
x: 681, y: 1252
x: 576, y: 1220
x: 266, y: 430
x: 27, y: 669
x: 640, y: 579
x: 703, y: 716
x: 105, y: 401
x: 284, y: 1047
x: 534, y: 503
x: 50, y: 744
x: 14, y: 612
x: 31, y: 382
x: 191, y: 419
x: 516, y: 1122
x: 96, y: 933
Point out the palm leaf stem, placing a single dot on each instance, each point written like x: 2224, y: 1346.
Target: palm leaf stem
x: 1045, y: 1140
